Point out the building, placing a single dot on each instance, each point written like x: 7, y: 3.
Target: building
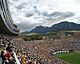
x: 6, y: 22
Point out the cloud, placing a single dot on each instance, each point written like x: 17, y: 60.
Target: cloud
x: 27, y: 25
x: 59, y: 15
x: 67, y: 15
x: 28, y: 14
x: 50, y: 19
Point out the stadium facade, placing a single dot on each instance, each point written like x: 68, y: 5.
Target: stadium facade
x: 6, y: 22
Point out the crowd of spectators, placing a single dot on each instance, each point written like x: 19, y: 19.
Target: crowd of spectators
x: 6, y: 50
x: 35, y: 51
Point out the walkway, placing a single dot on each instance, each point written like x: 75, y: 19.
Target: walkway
x: 0, y: 60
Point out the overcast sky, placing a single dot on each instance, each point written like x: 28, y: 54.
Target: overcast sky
x: 28, y: 14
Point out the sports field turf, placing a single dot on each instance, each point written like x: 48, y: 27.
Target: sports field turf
x: 72, y: 58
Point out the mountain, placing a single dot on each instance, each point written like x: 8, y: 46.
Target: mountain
x: 56, y: 27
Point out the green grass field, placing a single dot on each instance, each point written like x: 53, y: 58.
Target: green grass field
x: 72, y: 58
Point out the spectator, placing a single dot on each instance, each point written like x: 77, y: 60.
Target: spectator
x: 3, y: 57
x: 8, y: 57
x: 9, y: 47
x: 24, y: 58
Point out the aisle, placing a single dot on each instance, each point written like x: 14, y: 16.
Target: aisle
x: 0, y: 60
